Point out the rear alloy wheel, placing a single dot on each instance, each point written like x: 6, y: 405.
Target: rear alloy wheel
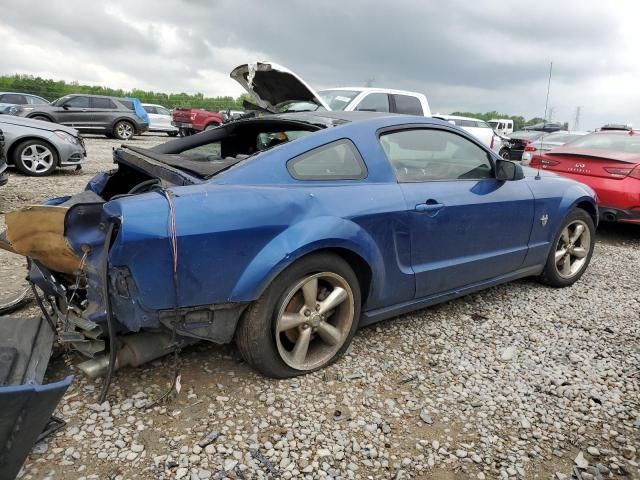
x: 35, y: 158
x: 123, y: 130
x: 305, y: 319
x: 572, y: 250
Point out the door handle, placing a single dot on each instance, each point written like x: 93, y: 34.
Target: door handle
x: 429, y: 206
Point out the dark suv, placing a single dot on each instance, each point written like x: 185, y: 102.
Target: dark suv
x: 115, y: 117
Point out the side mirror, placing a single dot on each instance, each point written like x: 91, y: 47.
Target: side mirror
x: 65, y: 107
x: 507, y: 170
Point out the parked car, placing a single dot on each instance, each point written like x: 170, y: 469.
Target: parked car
x: 607, y: 161
x: 3, y: 162
x: 189, y: 121
x: 502, y: 126
x: 546, y: 142
x: 545, y: 127
x: 115, y: 117
x: 37, y: 148
x: 290, y: 247
x: 479, y: 128
x: 160, y: 119
x: 616, y: 126
x: 278, y: 89
x: 513, y: 148
x: 10, y: 99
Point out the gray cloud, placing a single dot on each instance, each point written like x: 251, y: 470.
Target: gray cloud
x: 464, y: 55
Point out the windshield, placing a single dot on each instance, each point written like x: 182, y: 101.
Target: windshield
x: 338, y: 99
x: 494, y: 125
x: 609, y: 141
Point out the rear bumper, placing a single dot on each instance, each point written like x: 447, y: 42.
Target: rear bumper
x: 182, y: 124
x: 612, y: 214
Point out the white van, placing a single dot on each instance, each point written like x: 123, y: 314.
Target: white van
x: 503, y: 126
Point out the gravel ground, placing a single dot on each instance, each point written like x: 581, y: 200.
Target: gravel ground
x: 518, y: 381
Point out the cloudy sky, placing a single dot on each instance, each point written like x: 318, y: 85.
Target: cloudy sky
x: 472, y: 56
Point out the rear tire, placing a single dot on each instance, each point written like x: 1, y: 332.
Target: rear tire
x: 123, y: 130
x: 314, y: 302
x: 35, y: 158
x: 41, y: 118
x: 571, y: 250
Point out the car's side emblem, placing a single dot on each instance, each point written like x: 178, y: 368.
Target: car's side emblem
x: 580, y: 165
x: 544, y: 219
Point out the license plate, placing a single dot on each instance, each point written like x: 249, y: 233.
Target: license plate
x: 182, y: 124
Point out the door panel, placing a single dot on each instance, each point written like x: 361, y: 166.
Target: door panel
x: 464, y: 232
x: 74, y: 112
x: 466, y: 226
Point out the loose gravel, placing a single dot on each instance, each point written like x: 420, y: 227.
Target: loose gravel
x: 518, y: 381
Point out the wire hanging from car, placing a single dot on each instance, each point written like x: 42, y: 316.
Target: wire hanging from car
x: 173, y: 240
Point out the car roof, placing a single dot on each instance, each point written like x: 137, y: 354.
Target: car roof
x: 373, y: 89
x: 92, y: 95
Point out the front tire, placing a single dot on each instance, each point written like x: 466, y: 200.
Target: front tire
x: 172, y: 134
x: 304, y: 320
x: 35, y: 158
x: 571, y: 250
x: 123, y: 130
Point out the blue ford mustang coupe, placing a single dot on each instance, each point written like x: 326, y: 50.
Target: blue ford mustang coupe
x: 287, y: 232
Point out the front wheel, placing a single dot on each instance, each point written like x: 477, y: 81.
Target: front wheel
x: 571, y: 251
x: 304, y: 320
x: 35, y: 158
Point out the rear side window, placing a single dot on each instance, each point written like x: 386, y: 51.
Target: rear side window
x: 162, y: 111
x: 339, y: 160
x: 14, y: 98
x: 127, y: 104
x: 77, y: 102
x: 150, y: 109
x: 97, y: 102
x: 408, y: 105
x: 374, y: 102
x: 33, y: 100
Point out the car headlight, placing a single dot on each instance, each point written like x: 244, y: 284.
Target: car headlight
x: 66, y: 137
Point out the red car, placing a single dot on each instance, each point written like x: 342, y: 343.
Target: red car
x: 607, y: 161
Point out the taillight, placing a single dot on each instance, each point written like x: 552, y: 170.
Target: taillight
x: 193, y: 116
x: 493, y: 137
x: 618, y: 172
x: 537, y: 161
x: 635, y: 173
x: 530, y: 148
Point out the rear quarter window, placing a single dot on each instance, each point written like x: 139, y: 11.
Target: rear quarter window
x: 408, y: 105
x: 339, y: 160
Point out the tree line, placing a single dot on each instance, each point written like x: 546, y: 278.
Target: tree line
x: 51, y: 89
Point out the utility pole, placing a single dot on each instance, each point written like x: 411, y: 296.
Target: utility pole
x: 551, y: 109
x: 576, y: 121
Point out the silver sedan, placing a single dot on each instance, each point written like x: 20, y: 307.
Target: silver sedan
x: 37, y: 148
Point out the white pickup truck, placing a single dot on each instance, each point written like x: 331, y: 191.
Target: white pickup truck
x: 277, y: 89
x: 476, y: 127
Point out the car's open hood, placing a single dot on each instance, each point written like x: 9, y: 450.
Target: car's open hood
x: 271, y: 85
